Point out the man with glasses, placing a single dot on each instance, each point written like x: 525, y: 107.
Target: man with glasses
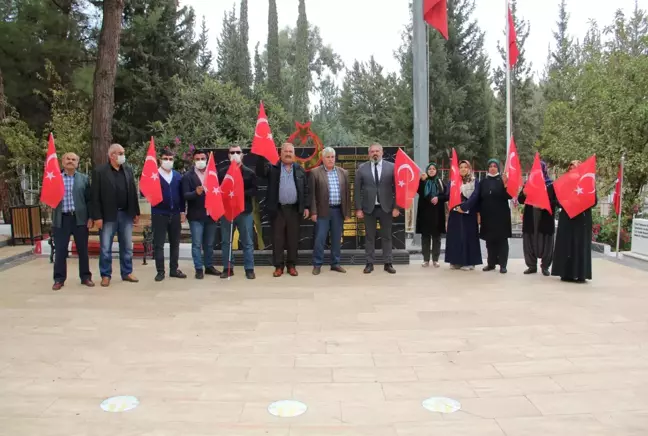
x: 167, y: 218
x: 243, y: 222
x: 202, y: 227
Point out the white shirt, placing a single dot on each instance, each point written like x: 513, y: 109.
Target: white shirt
x: 166, y: 176
x: 201, y: 175
x: 373, y: 173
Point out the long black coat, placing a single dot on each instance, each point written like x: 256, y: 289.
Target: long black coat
x: 547, y: 225
x: 573, y: 249
x: 494, y: 210
x: 431, y: 218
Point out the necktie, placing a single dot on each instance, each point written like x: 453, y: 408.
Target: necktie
x: 377, y: 182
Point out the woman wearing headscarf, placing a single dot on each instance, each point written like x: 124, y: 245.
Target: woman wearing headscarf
x: 538, y: 227
x: 573, y: 252
x: 462, y: 241
x: 430, y: 218
x: 495, y: 217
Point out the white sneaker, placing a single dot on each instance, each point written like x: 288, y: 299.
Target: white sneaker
x: 425, y: 264
x: 436, y: 264
x: 467, y: 268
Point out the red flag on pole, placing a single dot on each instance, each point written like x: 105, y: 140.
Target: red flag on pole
x: 513, y: 170
x: 576, y: 190
x: 617, y: 191
x: 514, y: 53
x: 536, y: 188
x: 455, y: 182
x: 435, y: 13
x: 263, y: 143
x: 150, y: 179
x: 53, y: 189
x: 406, y: 176
x: 213, y: 197
x: 233, y: 192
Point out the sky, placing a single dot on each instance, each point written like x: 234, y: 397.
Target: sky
x: 357, y: 29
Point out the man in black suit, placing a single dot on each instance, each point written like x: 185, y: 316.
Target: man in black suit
x: 202, y: 227
x: 287, y: 201
x: 115, y: 208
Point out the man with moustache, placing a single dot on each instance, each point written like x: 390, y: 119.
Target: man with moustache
x: 375, y: 194
x: 287, y: 201
x: 72, y: 217
x: 115, y: 205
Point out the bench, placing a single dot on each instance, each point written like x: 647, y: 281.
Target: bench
x: 142, y: 241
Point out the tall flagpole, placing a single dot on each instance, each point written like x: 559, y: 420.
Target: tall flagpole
x: 620, y: 205
x: 508, y: 81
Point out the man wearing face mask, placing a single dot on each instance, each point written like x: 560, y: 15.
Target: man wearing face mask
x: 167, y: 218
x: 202, y: 227
x: 243, y: 222
x: 115, y: 208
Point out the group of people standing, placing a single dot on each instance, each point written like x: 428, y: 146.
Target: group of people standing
x: 484, y: 213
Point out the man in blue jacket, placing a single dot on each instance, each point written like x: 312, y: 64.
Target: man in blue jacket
x: 167, y: 218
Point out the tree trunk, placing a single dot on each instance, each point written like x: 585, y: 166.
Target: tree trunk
x: 103, y: 107
x: 5, y: 195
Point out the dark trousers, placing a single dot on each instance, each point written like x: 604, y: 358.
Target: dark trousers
x: 285, y: 234
x: 498, y: 252
x: 61, y: 241
x: 164, y: 225
x: 435, y: 241
x: 385, y: 219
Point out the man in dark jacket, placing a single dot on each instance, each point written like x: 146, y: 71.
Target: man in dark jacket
x: 115, y: 208
x: 287, y: 201
x: 71, y: 217
x: 202, y: 227
x: 167, y: 218
x: 243, y: 222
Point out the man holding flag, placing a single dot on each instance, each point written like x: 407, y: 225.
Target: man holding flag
x: 239, y: 187
x: 330, y: 205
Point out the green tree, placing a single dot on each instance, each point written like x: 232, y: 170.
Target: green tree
x: 205, y: 57
x: 326, y: 119
x: 259, y: 71
x: 302, y: 78
x: 228, y: 49
x: 245, y: 73
x: 562, y: 60
x: 273, y: 55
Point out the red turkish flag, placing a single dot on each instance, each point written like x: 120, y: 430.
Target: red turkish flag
x: 233, y: 190
x: 576, y: 190
x: 406, y: 176
x: 536, y: 188
x: 455, y: 182
x: 513, y: 170
x: 617, y: 191
x: 213, y: 197
x: 514, y: 52
x: 263, y: 143
x: 53, y: 189
x: 435, y: 13
x: 149, y: 184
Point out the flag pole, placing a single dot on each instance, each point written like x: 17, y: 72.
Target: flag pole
x: 229, y: 256
x: 618, y: 241
x: 508, y: 80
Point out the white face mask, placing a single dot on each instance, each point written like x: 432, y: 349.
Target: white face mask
x: 121, y: 159
x: 167, y: 164
x: 236, y: 158
x: 201, y: 164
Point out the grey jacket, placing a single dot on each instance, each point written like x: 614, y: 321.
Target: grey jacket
x: 82, y: 196
x: 366, y: 188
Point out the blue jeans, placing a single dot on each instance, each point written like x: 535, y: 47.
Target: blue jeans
x: 245, y: 226
x: 203, y: 235
x: 123, y: 228
x: 332, y: 223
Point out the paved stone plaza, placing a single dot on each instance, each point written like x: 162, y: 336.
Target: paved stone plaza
x: 524, y: 356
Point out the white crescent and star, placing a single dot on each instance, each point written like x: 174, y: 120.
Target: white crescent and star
x: 50, y: 157
x: 227, y: 176
x: 408, y: 168
x: 510, y: 165
x: 579, y: 190
x: 151, y: 158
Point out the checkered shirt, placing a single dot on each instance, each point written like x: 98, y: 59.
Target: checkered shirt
x: 68, y: 198
x: 335, y: 197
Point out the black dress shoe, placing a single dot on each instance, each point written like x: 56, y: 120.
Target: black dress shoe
x: 249, y: 274
x: 212, y: 271
x: 545, y: 272
x: 531, y: 271
x: 488, y: 268
x: 159, y: 277
x: 317, y: 270
x: 368, y: 269
x: 503, y: 270
x: 178, y: 274
x: 389, y: 268
x: 200, y: 274
x: 338, y: 268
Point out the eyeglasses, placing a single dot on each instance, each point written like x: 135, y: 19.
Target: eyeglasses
x: 235, y: 152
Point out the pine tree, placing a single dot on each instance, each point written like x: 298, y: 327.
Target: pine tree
x: 562, y: 60
x: 302, y: 78
x: 274, y: 56
x: 245, y: 74
x: 259, y: 72
x: 205, y: 57
x: 228, y: 49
